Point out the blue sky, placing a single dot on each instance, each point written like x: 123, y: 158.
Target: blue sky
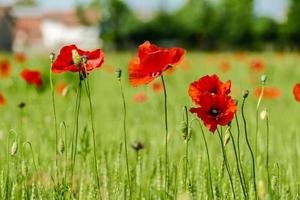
x: 273, y: 8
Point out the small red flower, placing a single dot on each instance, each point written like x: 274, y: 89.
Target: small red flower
x: 61, y: 88
x: 258, y: 65
x: 296, y: 92
x: 2, y: 100
x: 20, y: 57
x: 269, y: 92
x: 32, y: 77
x: 5, y: 68
x: 225, y: 66
x: 208, y: 84
x: 157, y: 87
x: 64, y: 61
x: 140, y: 97
x: 151, y: 62
x: 215, y: 110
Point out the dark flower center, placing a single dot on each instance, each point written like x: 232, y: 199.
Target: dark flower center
x: 213, y: 91
x: 214, y: 112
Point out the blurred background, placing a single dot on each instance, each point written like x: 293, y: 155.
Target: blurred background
x: 42, y: 25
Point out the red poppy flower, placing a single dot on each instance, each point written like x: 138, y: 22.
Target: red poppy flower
x: 2, y: 100
x: 296, y: 92
x: 157, y: 87
x: 225, y: 66
x: 208, y: 84
x: 20, y: 57
x: 215, y: 110
x: 151, y: 62
x: 61, y: 88
x: 269, y: 93
x: 140, y: 97
x: 5, y: 68
x: 64, y: 61
x: 258, y: 65
x: 32, y: 77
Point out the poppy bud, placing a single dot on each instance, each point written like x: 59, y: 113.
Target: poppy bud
x: 14, y: 149
x: 51, y: 57
x: 61, y: 146
x: 274, y: 180
x: 137, y: 146
x: 183, y: 127
x: 76, y: 57
x: 21, y: 105
x: 263, y: 79
x: 245, y: 94
x: 118, y: 73
x: 226, y: 139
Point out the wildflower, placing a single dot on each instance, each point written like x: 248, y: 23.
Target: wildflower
x: 296, y: 92
x: 140, y: 97
x: 5, y: 68
x: 269, y: 92
x: 215, y: 110
x: 157, y: 87
x: 258, y: 66
x: 2, y: 100
x: 208, y: 84
x: 65, y: 62
x: 62, y: 88
x: 32, y: 77
x: 20, y: 57
x: 151, y: 62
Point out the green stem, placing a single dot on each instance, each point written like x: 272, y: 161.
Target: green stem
x: 125, y: 135
x: 226, y: 164
x: 88, y: 91
x: 75, y: 130
x: 249, y: 147
x: 187, y: 139
x: 208, y: 158
x: 166, y: 138
x: 267, y: 159
x: 55, y: 123
x: 238, y: 164
x: 257, y: 116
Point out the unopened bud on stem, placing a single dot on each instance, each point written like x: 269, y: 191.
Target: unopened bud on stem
x: 245, y: 94
x: 263, y: 79
x: 51, y: 57
x: 118, y: 73
x: 14, y: 149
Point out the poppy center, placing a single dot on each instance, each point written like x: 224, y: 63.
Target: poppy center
x: 213, y: 91
x: 214, y: 112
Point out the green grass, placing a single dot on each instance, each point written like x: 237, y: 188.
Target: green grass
x: 145, y: 122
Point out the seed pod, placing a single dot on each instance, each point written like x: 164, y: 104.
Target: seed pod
x: 14, y: 149
x: 61, y: 146
x: 76, y: 58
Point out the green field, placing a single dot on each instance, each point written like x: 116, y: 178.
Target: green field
x: 145, y: 122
